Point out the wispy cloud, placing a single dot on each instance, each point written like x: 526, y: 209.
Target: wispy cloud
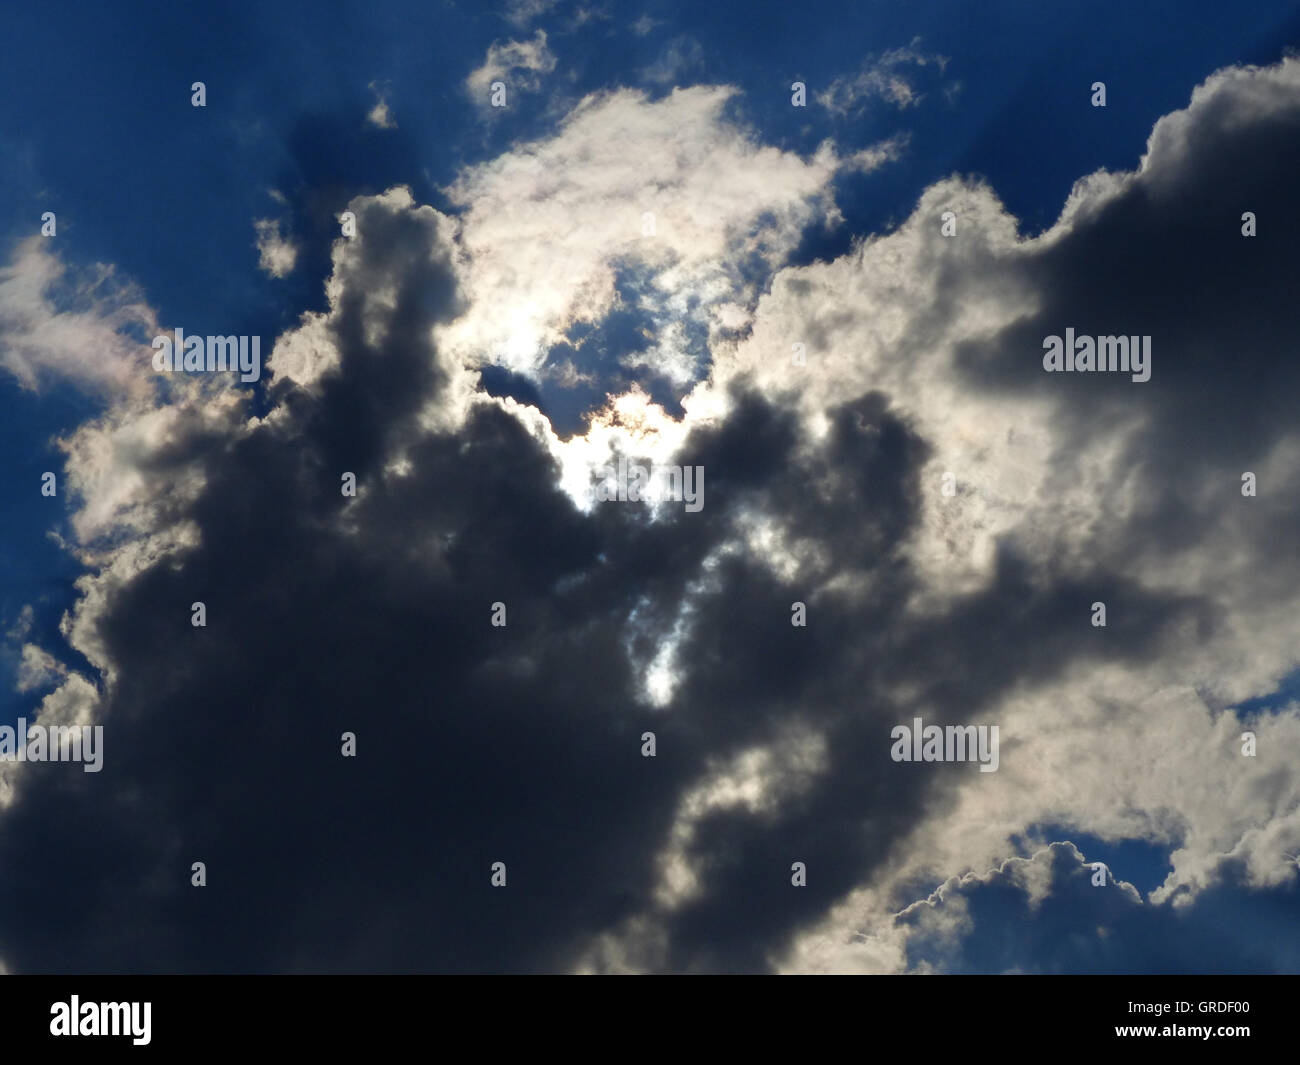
x: 891, y: 77
x: 518, y: 64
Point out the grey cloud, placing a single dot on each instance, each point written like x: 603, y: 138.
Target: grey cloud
x: 521, y: 744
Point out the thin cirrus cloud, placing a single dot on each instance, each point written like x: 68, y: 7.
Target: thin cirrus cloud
x: 893, y: 76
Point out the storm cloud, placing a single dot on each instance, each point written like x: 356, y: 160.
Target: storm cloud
x: 824, y: 486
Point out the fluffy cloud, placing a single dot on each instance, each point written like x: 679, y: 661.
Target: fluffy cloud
x: 328, y: 613
x: 664, y: 213
x: 1093, y: 488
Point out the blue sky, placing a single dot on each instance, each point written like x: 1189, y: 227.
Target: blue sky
x: 101, y: 131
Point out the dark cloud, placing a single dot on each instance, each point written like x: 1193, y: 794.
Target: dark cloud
x: 476, y: 744
x: 521, y: 744
x: 1166, y: 257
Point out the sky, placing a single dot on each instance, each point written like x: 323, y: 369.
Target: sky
x: 450, y: 707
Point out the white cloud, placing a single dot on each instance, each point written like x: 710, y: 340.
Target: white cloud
x: 549, y: 227
x: 1136, y: 748
x: 1131, y: 751
x: 380, y: 115
x: 519, y: 64
x: 86, y: 327
x: 277, y: 253
x: 38, y: 669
